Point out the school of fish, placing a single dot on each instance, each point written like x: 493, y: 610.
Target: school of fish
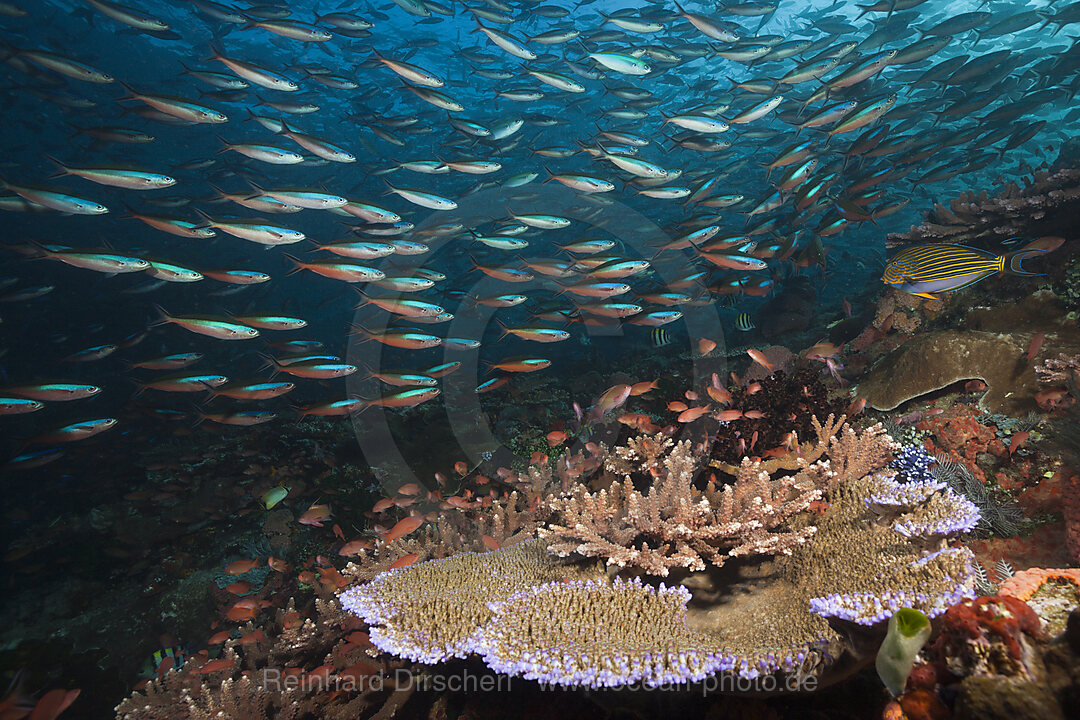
x: 757, y: 136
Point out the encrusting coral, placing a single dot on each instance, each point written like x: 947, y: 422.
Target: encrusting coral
x: 1051, y: 592
x: 879, y: 544
x: 933, y: 361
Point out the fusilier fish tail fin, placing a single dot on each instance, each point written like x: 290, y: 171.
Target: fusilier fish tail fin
x: 207, y: 221
x: 62, y: 169
x: 269, y: 361
x: 1014, y: 260
x: 297, y: 264
x: 162, y: 318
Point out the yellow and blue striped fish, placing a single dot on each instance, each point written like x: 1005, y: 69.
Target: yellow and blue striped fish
x: 923, y: 270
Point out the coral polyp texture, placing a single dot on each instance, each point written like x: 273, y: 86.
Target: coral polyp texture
x: 678, y: 583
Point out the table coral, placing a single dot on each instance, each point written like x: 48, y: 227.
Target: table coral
x: 1047, y: 203
x: 880, y: 544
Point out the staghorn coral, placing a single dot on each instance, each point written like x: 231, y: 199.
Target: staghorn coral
x: 476, y: 525
x: 801, y: 453
x: 880, y: 544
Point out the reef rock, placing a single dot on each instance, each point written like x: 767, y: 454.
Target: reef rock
x: 994, y: 698
x: 936, y: 360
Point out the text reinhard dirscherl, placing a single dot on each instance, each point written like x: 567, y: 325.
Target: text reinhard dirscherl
x: 469, y: 682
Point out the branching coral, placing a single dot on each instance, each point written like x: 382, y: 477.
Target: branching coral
x: 283, y: 678
x: 880, y: 544
x: 1047, y: 202
x: 675, y: 525
x: 1056, y: 371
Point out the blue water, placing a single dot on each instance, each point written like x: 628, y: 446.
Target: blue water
x: 960, y: 136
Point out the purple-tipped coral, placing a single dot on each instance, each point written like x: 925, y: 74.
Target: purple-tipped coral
x: 625, y: 616
x: 571, y: 621
x: 429, y: 611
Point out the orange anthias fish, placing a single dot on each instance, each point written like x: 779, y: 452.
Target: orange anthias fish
x: 403, y: 528
x: 643, y: 387
x: 692, y: 414
x: 315, y: 515
x: 404, y: 561
x: 277, y: 564
x: 822, y: 350
x: 640, y: 422
x: 1035, y: 345
x: 354, y: 547
x: 759, y: 357
x: 239, y: 567
x: 612, y: 398
x: 556, y: 437
x: 720, y: 395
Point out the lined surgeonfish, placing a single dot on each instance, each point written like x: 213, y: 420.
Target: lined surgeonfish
x: 944, y: 267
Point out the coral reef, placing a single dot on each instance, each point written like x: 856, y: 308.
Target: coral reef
x: 997, y: 516
x: 988, y: 635
x: 304, y: 665
x: 1052, y: 593
x: 1046, y: 204
x: 1059, y: 370
x: 878, y: 545
x: 783, y: 403
x: 1071, y: 497
x: 676, y: 525
x: 1067, y: 288
x: 991, y: 649
x: 933, y: 361
x: 428, y: 612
